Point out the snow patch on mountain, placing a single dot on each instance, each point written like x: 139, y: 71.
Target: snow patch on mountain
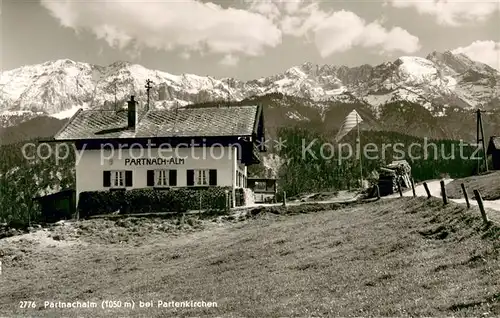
x: 69, y: 112
x: 296, y: 116
x: 377, y: 100
x: 417, y: 69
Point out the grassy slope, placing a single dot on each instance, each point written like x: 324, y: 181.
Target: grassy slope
x: 487, y: 184
x: 390, y: 258
x: 39, y: 127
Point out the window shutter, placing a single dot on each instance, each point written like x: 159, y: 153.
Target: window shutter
x: 172, y: 177
x: 190, y: 177
x: 150, y: 178
x: 106, y: 179
x: 128, y: 178
x: 212, y: 179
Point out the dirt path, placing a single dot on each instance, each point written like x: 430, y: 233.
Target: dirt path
x: 341, y: 197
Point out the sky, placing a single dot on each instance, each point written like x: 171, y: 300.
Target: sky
x: 245, y: 39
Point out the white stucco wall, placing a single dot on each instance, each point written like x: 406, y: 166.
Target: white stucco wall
x: 92, y: 163
x: 242, y: 169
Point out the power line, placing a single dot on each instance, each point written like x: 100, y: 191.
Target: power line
x: 148, y: 88
x: 480, y: 131
x: 229, y: 91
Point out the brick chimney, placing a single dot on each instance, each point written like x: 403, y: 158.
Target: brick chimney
x: 132, y: 112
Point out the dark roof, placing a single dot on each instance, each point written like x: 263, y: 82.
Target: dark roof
x: 59, y: 194
x: 494, y: 144
x: 184, y: 122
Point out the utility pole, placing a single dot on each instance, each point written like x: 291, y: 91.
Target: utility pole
x: 479, y: 131
x: 148, y: 88
x: 176, y: 112
x: 78, y: 84
x: 228, y: 91
x: 116, y: 102
x: 361, y: 157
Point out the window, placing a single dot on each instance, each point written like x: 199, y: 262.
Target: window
x: 117, y: 179
x: 201, y: 177
x: 260, y: 185
x: 161, y: 178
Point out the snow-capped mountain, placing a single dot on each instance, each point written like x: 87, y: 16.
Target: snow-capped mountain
x: 59, y: 88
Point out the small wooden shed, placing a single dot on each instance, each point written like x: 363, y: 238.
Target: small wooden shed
x: 387, y: 181
x: 264, y: 189
x: 494, y: 151
x: 57, y: 206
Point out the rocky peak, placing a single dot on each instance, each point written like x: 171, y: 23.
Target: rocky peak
x: 351, y: 75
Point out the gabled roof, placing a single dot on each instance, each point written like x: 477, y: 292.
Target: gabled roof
x: 183, y: 122
x: 494, y: 144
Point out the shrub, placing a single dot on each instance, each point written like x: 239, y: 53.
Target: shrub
x: 100, y: 202
x: 151, y: 200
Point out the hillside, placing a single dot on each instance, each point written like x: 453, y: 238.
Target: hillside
x: 402, y: 257
x: 321, y: 168
x: 23, y: 178
x: 42, y: 127
x: 487, y: 184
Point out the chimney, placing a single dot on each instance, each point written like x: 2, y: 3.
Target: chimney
x: 132, y: 112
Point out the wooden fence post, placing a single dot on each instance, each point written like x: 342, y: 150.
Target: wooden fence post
x: 443, y: 193
x: 426, y: 187
x: 413, y: 187
x: 377, y: 191
x: 466, y: 196
x: 479, y: 200
x: 399, y: 188
x: 284, y: 198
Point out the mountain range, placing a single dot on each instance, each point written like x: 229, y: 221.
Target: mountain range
x: 441, y: 89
